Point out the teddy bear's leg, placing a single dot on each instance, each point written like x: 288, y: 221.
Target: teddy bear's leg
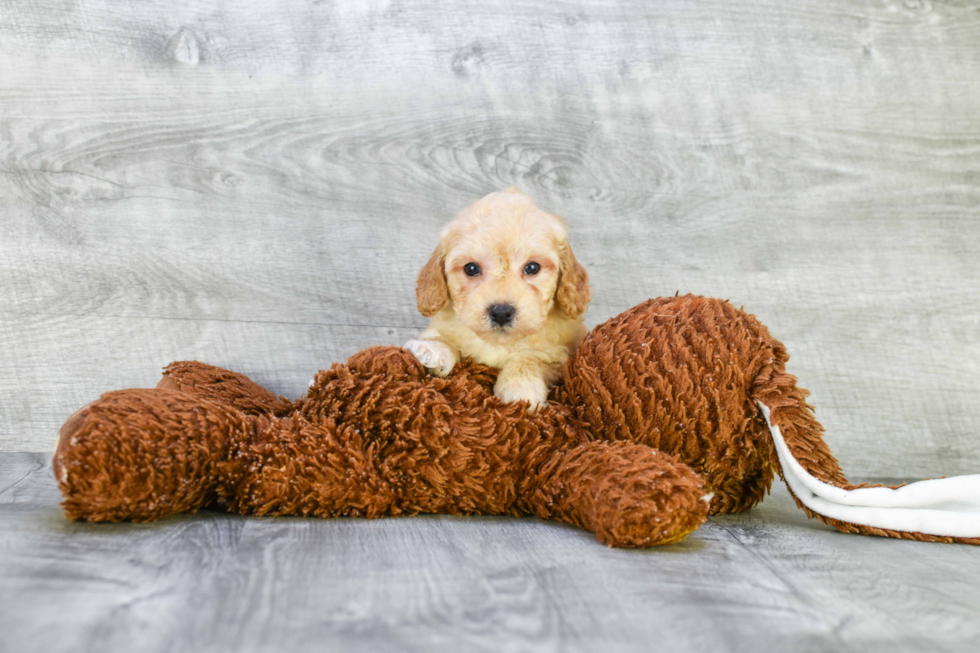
x: 630, y: 495
x: 674, y: 374
x: 143, y: 454
x: 222, y: 386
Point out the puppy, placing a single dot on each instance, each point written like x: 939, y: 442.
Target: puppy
x: 504, y: 289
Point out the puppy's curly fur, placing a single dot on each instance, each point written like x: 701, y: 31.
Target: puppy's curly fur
x: 503, y: 288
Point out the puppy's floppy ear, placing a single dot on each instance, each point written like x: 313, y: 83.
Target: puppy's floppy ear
x: 574, y: 292
x: 431, y: 291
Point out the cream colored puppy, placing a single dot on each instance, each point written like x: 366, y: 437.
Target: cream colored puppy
x: 504, y: 289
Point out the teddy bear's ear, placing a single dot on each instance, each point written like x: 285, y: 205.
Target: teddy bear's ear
x: 431, y: 291
x: 574, y: 292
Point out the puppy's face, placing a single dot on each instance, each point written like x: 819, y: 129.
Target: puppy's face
x: 502, y: 269
x: 505, y: 265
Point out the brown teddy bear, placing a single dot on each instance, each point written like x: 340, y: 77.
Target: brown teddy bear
x: 678, y: 408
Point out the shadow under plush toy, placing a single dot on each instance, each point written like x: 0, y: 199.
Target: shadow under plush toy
x: 676, y: 409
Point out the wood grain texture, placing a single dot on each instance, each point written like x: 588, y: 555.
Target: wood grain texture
x: 255, y: 185
x: 767, y: 580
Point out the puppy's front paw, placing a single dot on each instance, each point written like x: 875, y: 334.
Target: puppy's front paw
x: 532, y: 389
x: 435, y: 356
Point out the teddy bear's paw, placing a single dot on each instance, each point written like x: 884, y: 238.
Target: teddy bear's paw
x: 108, y: 460
x: 645, y: 497
x: 435, y: 356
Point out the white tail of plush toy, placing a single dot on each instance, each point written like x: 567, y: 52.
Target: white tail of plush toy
x: 940, y: 508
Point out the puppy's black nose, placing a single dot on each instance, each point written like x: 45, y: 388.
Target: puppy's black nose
x: 501, y: 314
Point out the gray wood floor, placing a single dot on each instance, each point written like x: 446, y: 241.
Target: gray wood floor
x: 768, y: 580
x: 255, y: 184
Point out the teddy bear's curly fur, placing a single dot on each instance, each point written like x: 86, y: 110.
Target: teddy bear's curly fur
x: 653, y: 425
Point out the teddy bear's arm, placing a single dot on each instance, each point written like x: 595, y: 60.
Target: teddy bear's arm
x: 144, y: 454
x: 222, y: 386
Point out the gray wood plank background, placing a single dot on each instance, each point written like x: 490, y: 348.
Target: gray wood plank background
x: 766, y: 580
x: 255, y: 184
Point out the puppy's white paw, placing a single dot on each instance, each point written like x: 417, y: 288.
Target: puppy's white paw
x: 533, y: 390
x: 435, y: 356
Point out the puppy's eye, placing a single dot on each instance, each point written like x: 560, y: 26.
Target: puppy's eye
x: 532, y: 268
x: 471, y: 269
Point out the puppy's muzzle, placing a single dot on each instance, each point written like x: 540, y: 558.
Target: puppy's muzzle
x: 501, y: 315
